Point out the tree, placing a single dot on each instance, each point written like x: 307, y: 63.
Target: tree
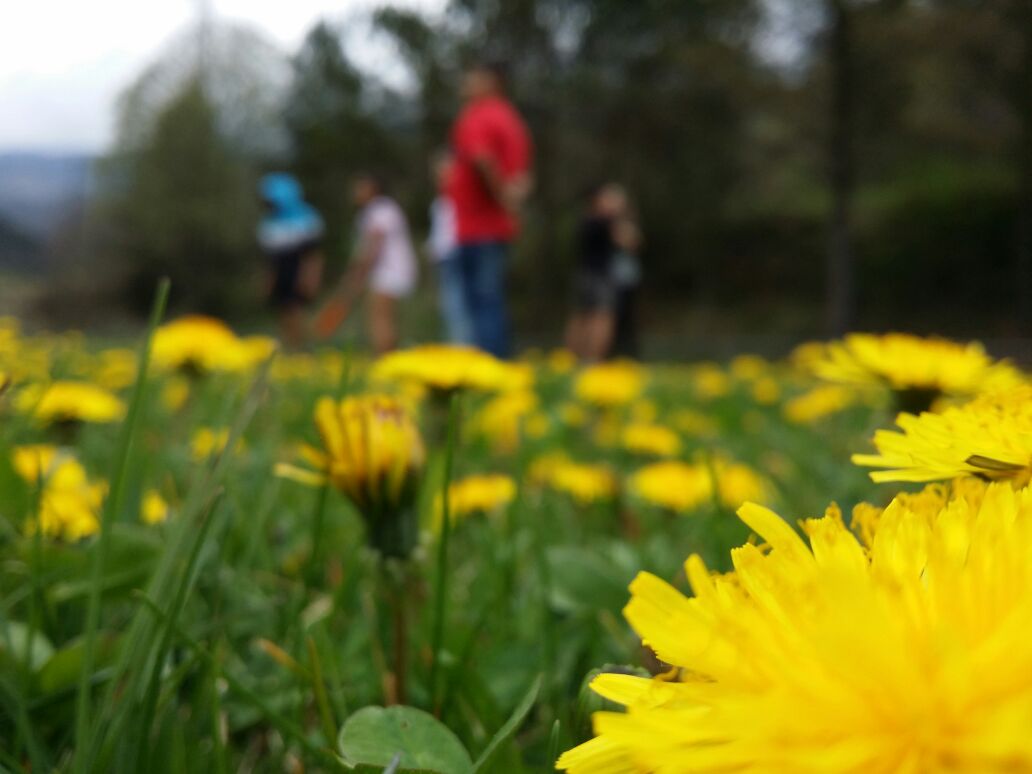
x: 184, y: 206
x: 336, y: 121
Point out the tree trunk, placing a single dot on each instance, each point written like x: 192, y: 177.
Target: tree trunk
x: 840, y: 288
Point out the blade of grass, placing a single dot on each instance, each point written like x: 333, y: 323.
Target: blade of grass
x: 441, y: 590
x: 17, y: 709
x: 319, y: 688
x: 286, y: 727
x: 110, y: 511
x: 505, y: 733
x: 189, y: 575
x: 146, y: 717
x: 117, y: 713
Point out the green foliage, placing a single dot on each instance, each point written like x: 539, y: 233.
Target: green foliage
x: 413, y: 740
x: 183, y: 206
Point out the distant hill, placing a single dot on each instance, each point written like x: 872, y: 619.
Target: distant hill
x: 38, y: 190
x: 19, y: 251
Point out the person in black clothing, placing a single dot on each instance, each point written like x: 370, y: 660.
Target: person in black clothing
x: 606, y: 273
x: 290, y: 235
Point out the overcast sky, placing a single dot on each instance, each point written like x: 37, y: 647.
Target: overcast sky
x: 63, y: 62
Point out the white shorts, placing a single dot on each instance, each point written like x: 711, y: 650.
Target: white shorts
x: 393, y: 279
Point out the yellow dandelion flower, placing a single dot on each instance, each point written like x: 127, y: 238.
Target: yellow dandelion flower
x: 71, y: 401
x: 115, y: 369
x: 209, y: 441
x: 446, y: 367
x: 911, y: 363
x: 584, y: 482
x: 655, y: 440
x: 69, y: 503
x: 748, y: 368
x: 766, y: 391
x: 175, y: 392
x: 476, y: 494
x: 371, y: 448
x: 738, y: 483
x: 372, y: 453
x: 710, y: 381
x: 610, y: 384
x: 818, y: 403
x: 911, y: 655
x: 683, y: 486
x: 198, y: 344
x: 154, y: 509
x: 676, y: 486
x: 502, y: 418
x: 990, y: 436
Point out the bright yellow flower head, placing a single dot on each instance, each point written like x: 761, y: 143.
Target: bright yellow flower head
x: 154, y: 509
x: 818, y: 403
x: 677, y: 486
x: 683, y: 486
x: 748, y: 368
x: 905, y: 362
x: 64, y: 401
x: 911, y: 655
x: 476, y: 494
x: 450, y: 367
x: 502, y: 418
x: 201, y: 344
x: 208, y: 441
x: 991, y: 436
x: 710, y: 381
x: 116, y: 368
x: 650, y: 439
x: 610, y: 384
x: 371, y: 448
x: 584, y: 482
x: 69, y: 504
x: 766, y: 390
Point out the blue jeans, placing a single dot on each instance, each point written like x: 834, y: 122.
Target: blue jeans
x: 451, y: 295
x: 483, y: 275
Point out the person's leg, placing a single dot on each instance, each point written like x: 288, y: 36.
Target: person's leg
x: 599, y: 334
x: 292, y: 327
x: 452, y: 298
x: 574, y: 336
x: 483, y: 270
x: 383, y: 330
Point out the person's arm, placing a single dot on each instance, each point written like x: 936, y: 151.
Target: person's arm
x: 352, y: 284
x: 491, y: 178
x: 362, y: 263
x: 626, y: 235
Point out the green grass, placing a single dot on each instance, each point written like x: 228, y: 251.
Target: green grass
x: 249, y: 631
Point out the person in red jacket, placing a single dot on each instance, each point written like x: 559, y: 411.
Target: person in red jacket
x: 490, y: 181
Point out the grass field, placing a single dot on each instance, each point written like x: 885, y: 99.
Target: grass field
x: 179, y: 592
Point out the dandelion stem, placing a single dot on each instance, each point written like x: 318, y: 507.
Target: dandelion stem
x: 441, y: 591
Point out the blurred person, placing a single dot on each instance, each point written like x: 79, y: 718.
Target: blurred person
x: 606, y: 273
x: 383, y: 261
x: 291, y: 235
x: 490, y: 181
x: 627, y: 275
x: 443, y: 248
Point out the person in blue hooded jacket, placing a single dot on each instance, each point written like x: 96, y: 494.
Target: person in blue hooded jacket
x: 291, y: 235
